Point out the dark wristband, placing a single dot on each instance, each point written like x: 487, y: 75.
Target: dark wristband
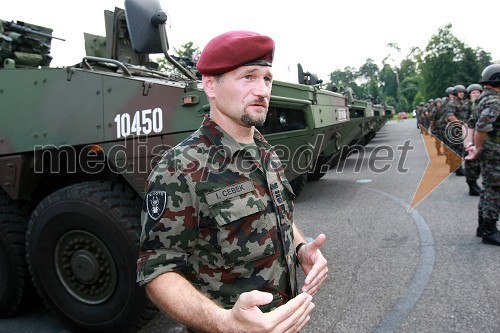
x: 297, y: 250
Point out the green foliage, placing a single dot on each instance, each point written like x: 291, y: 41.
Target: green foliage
x: 186, y: 55
x: 187, y: 50
x: 391, y: 101
x: 418, y: 99
x: 163, y: 64
x: 421, y: 75
x: 373, y: 89
x: 369, y: 70
x: 403, y: 105
x: 388, y: 81
x: 343, y: 79
x: 409, y: 89
x: 441, y: 62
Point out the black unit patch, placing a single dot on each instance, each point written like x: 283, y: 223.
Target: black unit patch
x: 156, y: 201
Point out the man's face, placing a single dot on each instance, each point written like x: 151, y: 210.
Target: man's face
x: 460, y: 95
x: 243, y: 94
x: 474, y: 94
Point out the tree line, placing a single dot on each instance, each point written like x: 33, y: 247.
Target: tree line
x: 421, y: 75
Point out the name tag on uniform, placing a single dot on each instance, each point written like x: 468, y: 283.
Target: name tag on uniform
x: 229, y: 192
x: 276, y: 192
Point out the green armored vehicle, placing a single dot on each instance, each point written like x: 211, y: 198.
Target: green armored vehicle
x: 330, y: 116
x: 382, y: 114
x: 366, y: 119
x: 76, y: 147
x: 389, y: 111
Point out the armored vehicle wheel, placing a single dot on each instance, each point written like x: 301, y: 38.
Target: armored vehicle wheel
x: 322, y: 167
x: 299, y: 183
x: 82, y: 247
x: 315, y: 175
x: 15, y: 285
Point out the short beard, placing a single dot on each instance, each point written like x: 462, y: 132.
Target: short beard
x: 247, y: 120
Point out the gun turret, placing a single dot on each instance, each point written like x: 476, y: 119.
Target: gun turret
x: 24, y: 45
x: 24, y: 30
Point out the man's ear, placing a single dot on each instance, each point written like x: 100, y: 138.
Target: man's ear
x: 208, y: 85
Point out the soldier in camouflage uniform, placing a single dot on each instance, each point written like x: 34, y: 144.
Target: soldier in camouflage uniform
x: 449, y: 95
x: 436, y: 125
x: 219, y: 246
x: 421, y: 116
x: 472, y: 167
x: 456, y: 115
x: 487, y: 148
x: 427, y: 119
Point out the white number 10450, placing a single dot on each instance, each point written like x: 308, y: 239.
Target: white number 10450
x: 143, y: 122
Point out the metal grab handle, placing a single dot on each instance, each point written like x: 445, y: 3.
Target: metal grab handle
x: 120, y: 64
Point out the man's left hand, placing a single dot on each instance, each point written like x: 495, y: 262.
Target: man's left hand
x: 313, y: 264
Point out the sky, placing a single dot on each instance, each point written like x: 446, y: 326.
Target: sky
x: 321, y: 35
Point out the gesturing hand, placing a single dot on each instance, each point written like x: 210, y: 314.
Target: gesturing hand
x: 472, y: 153
x: 313, y: 264
x: 245, y: 316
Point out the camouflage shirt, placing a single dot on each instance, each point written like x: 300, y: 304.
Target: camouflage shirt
x: 454, y: 108
x: 465, y: 111
x: 489, y: 105
x: 220, y: 218
x: 437, y: 115
x: 471, y: 122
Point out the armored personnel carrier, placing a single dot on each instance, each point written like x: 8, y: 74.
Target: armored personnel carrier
x: 365, y: 120
x: 77, y: 144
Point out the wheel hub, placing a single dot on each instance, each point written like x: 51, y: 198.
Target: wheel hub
x: 85, y: 267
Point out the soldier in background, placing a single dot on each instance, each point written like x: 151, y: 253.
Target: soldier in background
x: 429, y: 107
x: 472, y: 167
x: 421, y: 116
x: 487, y: 148
x: 219, y: 248
x: 437, y: 124
x: 455, y: 117
x: 449, y: 95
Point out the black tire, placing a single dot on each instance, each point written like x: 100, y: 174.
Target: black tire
x: 299, y: 183
x: 15, y: 284
x: 82, y: 247
x: 322, y: 167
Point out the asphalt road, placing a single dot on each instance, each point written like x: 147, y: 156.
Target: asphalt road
x: 391, y: 269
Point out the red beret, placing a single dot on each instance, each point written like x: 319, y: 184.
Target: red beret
x: 234, y: 49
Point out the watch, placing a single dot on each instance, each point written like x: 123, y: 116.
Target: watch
x: 297, y: 251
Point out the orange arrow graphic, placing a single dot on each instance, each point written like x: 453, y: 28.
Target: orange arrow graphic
x: 442, y: 162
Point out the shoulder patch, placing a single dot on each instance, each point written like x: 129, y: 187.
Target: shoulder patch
x: 156, y: 201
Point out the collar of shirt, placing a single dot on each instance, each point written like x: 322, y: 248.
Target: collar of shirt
x: 219, y: 137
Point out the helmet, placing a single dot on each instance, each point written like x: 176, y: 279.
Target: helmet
x: 449, y: 91
x: 474, y: 86
x: 491, y: 74
x: 458, y: 88
x: 421, y: 104
x: 431, y: 101
x: 437, y: 100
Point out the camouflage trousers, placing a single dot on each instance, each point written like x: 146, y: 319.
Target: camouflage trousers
x: 472, y: 169
x: 457, y: 148
x: 438, y: 134
x: 426, y: 122
x: 452, y: 159
x: 489, y: 200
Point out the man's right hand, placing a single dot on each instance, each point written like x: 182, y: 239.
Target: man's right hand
x: 245, y: 316
x: 471, y: 153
